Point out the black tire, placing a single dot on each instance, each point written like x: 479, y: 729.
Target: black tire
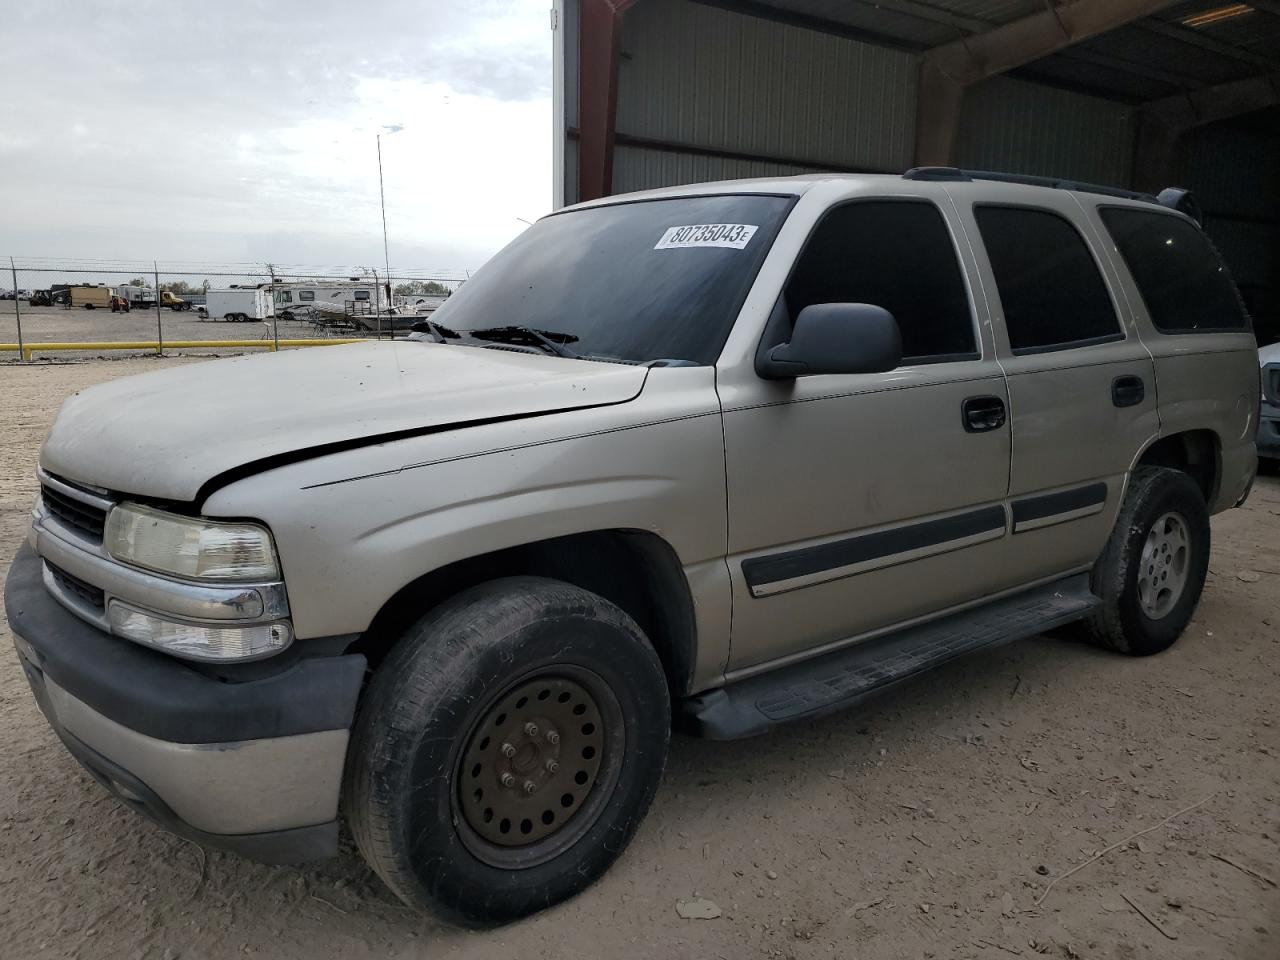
x: 1124, y: 622
x: 420, y: 721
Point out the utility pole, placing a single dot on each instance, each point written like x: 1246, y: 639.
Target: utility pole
x: 386, y: 255
x: 17, y: 308
x: 275, y: 319
x: 159, y: 329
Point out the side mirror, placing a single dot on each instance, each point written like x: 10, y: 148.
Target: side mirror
x: 836, y: 338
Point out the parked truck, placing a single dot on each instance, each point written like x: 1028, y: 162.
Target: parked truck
x: 239, y: 304
x: 90, y: 297
x: 144, y: 297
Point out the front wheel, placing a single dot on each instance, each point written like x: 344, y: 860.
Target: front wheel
x: 506, y: 750
x: 1152, y: 571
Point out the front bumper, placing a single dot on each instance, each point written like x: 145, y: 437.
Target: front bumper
x: 252, y: 767
x: 1269, y: 433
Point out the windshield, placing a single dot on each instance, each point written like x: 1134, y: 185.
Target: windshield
x: 651, y: 280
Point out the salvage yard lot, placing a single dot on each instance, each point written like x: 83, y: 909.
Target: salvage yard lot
x: 59, y: 325
x: 925, y: 825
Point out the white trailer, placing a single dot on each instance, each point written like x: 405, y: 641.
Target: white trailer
x: 239, y: 303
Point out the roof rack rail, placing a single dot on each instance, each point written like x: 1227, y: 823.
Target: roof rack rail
x: 936, y: 173
x: 1174, y: 198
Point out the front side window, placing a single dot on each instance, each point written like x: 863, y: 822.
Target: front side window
x: 1183, y: 282
x: 895, y: 254
x: 1050, y: 288
x: 306, y: 295
x: 284, y: 296
x: 639, y: 281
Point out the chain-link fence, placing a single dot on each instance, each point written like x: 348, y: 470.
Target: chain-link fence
x: 51, y: 307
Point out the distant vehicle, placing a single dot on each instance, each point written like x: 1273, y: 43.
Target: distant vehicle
x: 40, y: 298
x: 298, y: 297
x: 8, y: 295
x: 1269, y: 412
x: 119, y: 304
x: 239, y: 304
x: 90, y: 297
x: 145, y: 297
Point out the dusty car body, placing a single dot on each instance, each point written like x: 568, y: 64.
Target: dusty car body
x: 783, y: 515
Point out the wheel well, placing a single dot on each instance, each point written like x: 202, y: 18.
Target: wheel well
x: 1195, y: 452
x: 636, y: 570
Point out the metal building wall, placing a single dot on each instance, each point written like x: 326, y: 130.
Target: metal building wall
x: 1020, y: 127
x: 700, y: 78
x: 1235, y: 174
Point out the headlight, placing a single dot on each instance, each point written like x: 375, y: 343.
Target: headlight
x: 190, y: 546
x: 196, y: 641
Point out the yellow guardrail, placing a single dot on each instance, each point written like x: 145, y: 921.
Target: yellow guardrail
x: 28, y: 348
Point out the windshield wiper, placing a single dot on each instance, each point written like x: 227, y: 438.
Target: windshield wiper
x: 549, y: 341
x: 438, y: 330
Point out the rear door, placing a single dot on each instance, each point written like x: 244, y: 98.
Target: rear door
x: 1081, y: 383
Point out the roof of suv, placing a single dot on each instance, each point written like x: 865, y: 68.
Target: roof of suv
x: 1013, y: 186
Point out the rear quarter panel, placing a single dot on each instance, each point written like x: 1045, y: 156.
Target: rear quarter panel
x: 1209, y: 381
x: 1204, y: 381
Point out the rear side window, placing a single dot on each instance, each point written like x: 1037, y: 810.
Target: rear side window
x: 895, y: 254
x: 1183, y: 282
x: 1052, y: 293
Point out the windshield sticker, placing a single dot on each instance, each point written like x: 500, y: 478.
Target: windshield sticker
x: 732, y: 235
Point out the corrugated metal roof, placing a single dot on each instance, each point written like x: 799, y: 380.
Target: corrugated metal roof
x: 907, y: 30
x: 1188, y: 57
x: 1196, y: 65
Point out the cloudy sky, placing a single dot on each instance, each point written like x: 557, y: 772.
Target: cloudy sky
x: 233, y: 131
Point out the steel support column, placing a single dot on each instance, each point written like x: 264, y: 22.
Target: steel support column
x: 946, y: 71
x: 600, y: 33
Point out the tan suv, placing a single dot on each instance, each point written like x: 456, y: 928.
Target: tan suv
x: 725, y: 455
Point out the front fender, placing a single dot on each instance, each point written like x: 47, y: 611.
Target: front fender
x: 353, y: 528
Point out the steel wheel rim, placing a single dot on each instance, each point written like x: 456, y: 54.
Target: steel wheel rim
x: 1165, y: 564
x: 549, y: 785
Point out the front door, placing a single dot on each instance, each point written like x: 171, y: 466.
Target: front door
x: 857, y: 502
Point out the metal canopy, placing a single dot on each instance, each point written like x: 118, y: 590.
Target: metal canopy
x: 1185, y: 47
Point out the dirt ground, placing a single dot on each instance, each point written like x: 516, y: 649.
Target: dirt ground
x: 924, y: 826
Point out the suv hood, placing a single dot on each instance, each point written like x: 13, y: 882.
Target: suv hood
x: 165, y: 434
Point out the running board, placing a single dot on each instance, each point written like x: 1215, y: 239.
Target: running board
x: 833, y: 681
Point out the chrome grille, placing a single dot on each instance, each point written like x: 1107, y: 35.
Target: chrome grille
x: 85, y: 517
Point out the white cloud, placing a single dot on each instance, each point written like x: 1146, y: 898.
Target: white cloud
x: 250, y: 133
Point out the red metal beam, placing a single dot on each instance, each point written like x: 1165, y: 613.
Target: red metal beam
x: 600, y: 38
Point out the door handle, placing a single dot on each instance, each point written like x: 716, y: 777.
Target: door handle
x: 1128, y: 391
x: 981, y: 414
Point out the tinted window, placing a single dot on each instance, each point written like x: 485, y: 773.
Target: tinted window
x: 894, y: 254
x: 1049, y: 284
x: 1182, y: 281
x: 658, y: 279
x: 306, y: 295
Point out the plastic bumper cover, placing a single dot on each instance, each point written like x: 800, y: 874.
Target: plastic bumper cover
x: 254, y: 768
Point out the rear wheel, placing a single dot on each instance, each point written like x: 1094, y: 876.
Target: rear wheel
x: 506, y: 750
x: 1152, y: 571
